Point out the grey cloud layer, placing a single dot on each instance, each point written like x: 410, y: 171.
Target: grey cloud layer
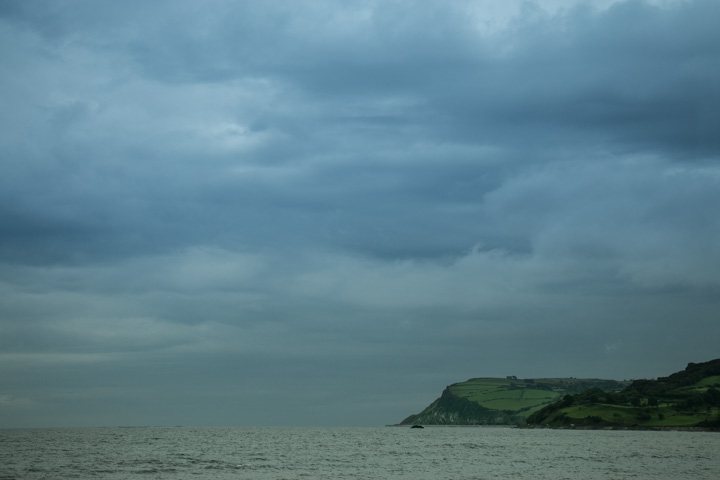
x: 292, y: 191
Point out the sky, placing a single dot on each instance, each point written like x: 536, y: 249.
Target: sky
x: 323, y: 212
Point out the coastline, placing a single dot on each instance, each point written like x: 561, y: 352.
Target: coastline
x: 579, y: 427
x: 619, y: 427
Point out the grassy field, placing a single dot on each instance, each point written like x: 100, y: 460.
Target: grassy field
x: 708, y: 382
x: 665, y: 414
x: 701, y: 386
x: 517, y: 395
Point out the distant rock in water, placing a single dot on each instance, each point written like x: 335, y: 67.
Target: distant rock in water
x: 417, y: 426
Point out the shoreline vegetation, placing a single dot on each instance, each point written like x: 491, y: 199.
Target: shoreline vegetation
x: 618, y: 427
x: 526, y: 426
x: 688, y: 400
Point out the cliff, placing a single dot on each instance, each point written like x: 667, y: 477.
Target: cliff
x: 501, y: 401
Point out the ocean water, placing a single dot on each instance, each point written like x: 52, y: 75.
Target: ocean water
x: 355, y: 453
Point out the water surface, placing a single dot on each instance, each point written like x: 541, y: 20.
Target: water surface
x: 275, y: 453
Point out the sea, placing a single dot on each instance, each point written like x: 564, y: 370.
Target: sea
x: 274, y: 453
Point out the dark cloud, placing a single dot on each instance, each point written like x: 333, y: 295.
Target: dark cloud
x: 214, y: 204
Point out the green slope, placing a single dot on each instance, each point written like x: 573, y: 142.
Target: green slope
x: 501, y: 401
x: 687, y: 398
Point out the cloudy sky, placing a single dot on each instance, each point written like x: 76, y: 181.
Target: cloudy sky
x: 324, y: 212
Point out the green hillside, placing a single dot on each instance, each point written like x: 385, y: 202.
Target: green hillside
x: 501, y: 401
x: 687, y: 398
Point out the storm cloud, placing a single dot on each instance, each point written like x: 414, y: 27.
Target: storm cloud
x: 262, y: 213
